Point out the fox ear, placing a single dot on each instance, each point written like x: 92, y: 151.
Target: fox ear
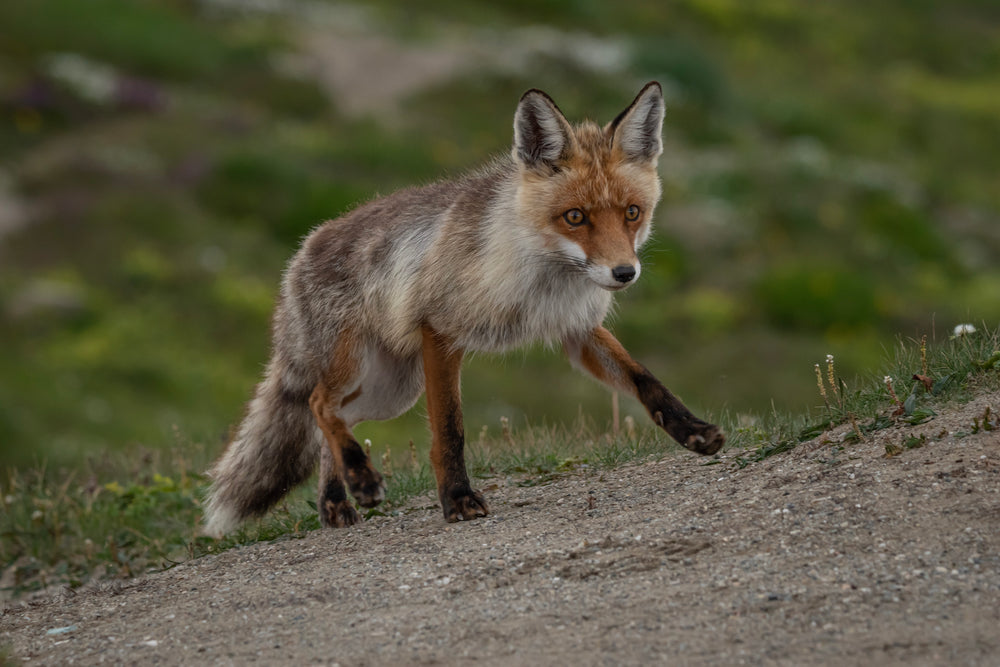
x: 541, y: 132
x: 637, y: 130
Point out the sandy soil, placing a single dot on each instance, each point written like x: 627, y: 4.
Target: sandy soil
x: 824, y: 555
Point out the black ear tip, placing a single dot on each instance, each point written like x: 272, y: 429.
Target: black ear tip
x: 652, y: 85
x: 534, y: 93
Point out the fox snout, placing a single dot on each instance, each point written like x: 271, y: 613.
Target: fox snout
x: 613, y: 278
x: 624, y: 273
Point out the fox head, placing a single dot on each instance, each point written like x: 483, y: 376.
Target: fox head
x: 590, y: 191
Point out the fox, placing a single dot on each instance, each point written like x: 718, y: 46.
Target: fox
x: 379, y: 306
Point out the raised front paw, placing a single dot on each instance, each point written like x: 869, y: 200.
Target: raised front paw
x: 705, y: 439
x: 463, y: 504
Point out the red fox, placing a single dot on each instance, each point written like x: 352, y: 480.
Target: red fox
x: 379, y: 305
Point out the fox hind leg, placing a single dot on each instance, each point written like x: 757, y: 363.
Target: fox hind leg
x: 342, y: 462
x: 335, y: 509
x: 348, y: 462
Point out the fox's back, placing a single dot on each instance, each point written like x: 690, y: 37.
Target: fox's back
x: 455, y: 254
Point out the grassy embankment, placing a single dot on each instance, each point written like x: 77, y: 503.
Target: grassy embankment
x: 829, y: 180
x: 127, y: 514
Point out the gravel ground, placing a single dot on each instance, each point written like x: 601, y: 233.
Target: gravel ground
x: 823, y: 555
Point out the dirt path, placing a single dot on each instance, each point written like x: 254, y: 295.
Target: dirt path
x: 818, y: 556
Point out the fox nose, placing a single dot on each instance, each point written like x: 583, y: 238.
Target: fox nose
x: 624, y: 273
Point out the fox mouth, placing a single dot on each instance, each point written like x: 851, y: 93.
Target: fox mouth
x: 616, y: 287
x: 612, y: 279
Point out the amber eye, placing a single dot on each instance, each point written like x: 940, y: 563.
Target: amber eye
x: 574, y: 217
x: 632, y: 213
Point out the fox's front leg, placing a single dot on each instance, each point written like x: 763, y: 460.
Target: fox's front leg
x: 442, y: 370
x: 601, y: 355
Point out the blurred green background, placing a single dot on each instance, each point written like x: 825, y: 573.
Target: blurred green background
x: 831, y: 180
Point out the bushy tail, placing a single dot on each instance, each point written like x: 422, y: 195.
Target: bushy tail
x: 274, y: 450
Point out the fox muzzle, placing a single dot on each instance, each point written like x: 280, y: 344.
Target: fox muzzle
x: 623, y: 273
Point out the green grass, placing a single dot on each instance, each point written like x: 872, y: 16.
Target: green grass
x: 152, y: 38
x: 128, y: 514
x: 815, y: 203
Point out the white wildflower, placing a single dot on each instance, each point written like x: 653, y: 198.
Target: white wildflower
x: 964, y: 330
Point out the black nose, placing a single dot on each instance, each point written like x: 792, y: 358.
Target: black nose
x: 624, y: 273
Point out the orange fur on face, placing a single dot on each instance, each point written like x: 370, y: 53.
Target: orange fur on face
x: 596, y: 178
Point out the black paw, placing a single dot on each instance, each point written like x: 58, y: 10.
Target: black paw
x: 463, y: 504
x: 364, y: 481
x: 338, y: 513
x: 366, y: 485
x: 705, y: 440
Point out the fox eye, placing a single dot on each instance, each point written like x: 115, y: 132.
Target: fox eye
x: 632, y: 213
x: 574, y: 217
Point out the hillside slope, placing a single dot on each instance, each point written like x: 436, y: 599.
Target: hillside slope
x: 832, y: 553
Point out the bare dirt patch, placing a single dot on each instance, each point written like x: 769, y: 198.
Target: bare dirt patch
x: 828, y: 554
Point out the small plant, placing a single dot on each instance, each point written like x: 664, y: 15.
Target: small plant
x: 505, y: 432
x: 983, y: 422
x: 993, y: 362
x: 387, y: 471
x: 414, y: 463
x: 908, y: 442
x: 923, y: 355
x: 830, y: 376
x: 837, y: 388
x: 857, y: 430
x: 822, y: 389
x: 892, y: 394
